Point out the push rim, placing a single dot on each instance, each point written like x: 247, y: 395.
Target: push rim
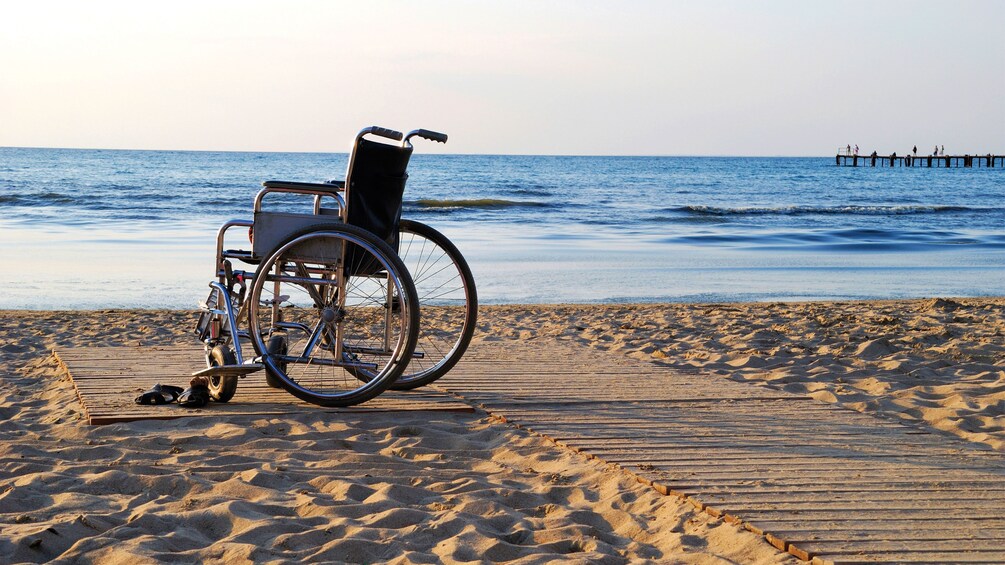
x: 334, y: 311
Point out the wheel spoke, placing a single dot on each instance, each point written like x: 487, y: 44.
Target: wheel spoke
x: 447, y: 301
x: 335, y: 323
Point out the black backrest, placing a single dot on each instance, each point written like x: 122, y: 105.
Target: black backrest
x: 375, y: 188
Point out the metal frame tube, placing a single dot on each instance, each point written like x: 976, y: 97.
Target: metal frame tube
x: 231, y: 319
x: 312, y: 340
x: 326, y: 362
x: 294, y: 326
x: 301, y: 280
x: 219, y: 242
x: 318, y: 194
x: 389, y: 311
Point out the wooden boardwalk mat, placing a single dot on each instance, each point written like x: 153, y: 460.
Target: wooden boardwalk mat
x: 822, y: 482
x: 825, y: 483
x: 107, y: 380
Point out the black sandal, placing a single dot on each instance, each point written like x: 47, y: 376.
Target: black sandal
x: 197, y: 395
x: 159, y: 394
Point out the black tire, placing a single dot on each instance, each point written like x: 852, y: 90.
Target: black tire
x: 447, y: 299
x: 222, y: 388
x: 326, y: 288
x: 277, y: 346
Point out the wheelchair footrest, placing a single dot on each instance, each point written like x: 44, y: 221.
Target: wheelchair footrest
x: 229, y: 370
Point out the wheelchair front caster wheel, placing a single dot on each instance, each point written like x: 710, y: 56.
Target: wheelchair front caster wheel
x: 222, y: 387
x: 277, y: 346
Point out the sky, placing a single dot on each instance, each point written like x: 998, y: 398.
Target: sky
x: 710, y: 77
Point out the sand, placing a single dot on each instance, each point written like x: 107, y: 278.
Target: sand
x: 429, y: 488
x: 370, y: 488
x: 936, y: 362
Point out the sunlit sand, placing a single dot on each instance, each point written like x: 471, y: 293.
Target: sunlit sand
x: 452, y: 487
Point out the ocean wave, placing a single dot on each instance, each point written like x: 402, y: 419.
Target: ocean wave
x: 852, y: 210
x: 43, y: 199
x: 532, y: 192
x: 844, y: 240
x: 483, y: 203
x: 203, y: 184
x: 222, y: 201
x: 118, y: 186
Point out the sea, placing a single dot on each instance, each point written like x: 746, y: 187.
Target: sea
x: 96, y: 229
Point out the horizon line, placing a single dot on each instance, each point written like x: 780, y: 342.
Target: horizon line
x: 627, y: 155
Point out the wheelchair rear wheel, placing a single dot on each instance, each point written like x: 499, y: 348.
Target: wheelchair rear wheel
x: 347, y: 308
x: 447, y: 298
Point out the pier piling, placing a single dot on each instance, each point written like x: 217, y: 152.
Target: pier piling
x: 966, y: 161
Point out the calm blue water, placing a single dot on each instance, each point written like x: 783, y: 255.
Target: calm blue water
x: 96, y: 229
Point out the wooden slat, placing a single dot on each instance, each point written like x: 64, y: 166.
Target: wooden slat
x: 108, y: 379
x: 819, y: 481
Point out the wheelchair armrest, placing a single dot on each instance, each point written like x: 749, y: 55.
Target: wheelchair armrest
x: 315, y: 189
x: 221, y: 254
x: 330, y: 186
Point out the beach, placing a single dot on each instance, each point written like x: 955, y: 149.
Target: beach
x: 708, y: 332
x: 423, y: 488
x: 938, y: 362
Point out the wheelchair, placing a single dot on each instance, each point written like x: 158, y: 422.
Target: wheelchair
x: 329, y: 298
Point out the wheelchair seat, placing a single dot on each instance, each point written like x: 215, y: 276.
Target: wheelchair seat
x: 330, y: 186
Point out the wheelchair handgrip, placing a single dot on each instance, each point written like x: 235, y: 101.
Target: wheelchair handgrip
x: 431, y: 135
x: 388, y: 133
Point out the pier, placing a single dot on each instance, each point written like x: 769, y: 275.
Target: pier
x: 988, y: 161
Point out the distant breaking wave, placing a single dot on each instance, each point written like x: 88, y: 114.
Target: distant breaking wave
x: 843, y: 240
x: 44, y: 199
x: 431, y: 203
x: 900, y: 210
